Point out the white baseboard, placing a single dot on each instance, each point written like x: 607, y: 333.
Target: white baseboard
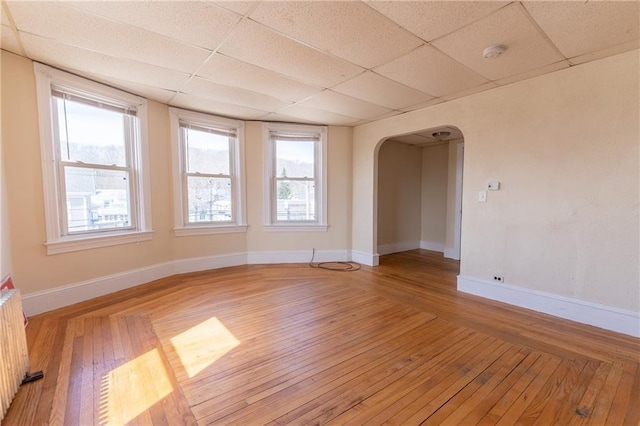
x: 262, y: 257
x: 48, y: 300
x: 614, y: 319
x: 365, y: 258
x: 183, y: 266
x: 397, y: 247
x: 59, y: 297
x: 431, y: 245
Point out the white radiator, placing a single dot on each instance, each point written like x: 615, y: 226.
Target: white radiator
x: 14, y: 356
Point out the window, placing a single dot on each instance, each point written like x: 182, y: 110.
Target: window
x: 295, y: 180
x: 93, y: 142
x: 208, y: 160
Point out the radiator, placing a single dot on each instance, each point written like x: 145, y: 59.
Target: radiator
x: 14, y: 356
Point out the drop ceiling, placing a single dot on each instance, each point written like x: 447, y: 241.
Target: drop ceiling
x: 326, y: 62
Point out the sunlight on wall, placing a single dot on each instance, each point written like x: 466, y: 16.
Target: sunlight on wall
x: 203, y: 344
x: 133, y: 388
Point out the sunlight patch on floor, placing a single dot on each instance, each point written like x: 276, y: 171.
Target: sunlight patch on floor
x: 203, y: 344
x: 133, y: 388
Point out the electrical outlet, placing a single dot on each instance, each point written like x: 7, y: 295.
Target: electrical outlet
x: 498, y: 279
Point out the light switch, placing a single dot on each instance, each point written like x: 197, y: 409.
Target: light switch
x: 494, y: 186
x: 482, y: 196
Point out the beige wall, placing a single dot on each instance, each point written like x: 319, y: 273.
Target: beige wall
x: 565, y: 148
x: 399, y: 194
x: 435, y: 166
x: 5, y: 236
x: 35, y: 271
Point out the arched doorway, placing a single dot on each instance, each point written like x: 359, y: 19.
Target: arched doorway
x: 419, y: 192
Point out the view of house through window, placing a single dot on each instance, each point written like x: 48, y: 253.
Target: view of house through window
x: 208, y: 174
x: 95, y: 176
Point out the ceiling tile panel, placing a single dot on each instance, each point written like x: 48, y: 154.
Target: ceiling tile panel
x: 9, y: 41
x: 71, y: 26
x: 379, y: 90
x: 533, y: 73
x: 285, y: 118
x: 429, y: 103
x: 149, y: 92
x: 527, y: 49
x: 577, y: 28
x: 240, y: 7
x: 338, y: 62
x: 346, y: 105
x: 86, y: 61
x: 433, y: 19
x: 318, y: 116
x: 430, y: 71
x: 256, y: 44
x: 347, y: 29
x: 208, y: 89
x: 233, y: 72
x: 192, y: 25
x: 211, y: 106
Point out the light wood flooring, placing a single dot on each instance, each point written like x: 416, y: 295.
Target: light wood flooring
x: 279, y: 344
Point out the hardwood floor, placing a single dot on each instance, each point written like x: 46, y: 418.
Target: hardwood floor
x: 280, y: 344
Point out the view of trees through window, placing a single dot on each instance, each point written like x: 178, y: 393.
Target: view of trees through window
x: 94, y: 166
x: 295, y: 180
x: 208, y: 176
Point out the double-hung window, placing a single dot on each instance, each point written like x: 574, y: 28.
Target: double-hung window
x: 95, y: 186
x: 295, y: 177
x: 207, y: 164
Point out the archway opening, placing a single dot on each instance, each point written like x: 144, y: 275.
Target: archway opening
x: 419, y: 192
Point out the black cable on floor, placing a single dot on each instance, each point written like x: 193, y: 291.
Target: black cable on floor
x: 334, y: 266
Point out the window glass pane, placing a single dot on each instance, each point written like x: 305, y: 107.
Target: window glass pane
x: 90, y: 134
x: 209, y: 199
x: 97, y: 199
x: 295, y: 201
x: 206, y: 152
x: 295, y: 158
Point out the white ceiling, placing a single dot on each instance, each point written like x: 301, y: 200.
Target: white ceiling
x: 326, y: 62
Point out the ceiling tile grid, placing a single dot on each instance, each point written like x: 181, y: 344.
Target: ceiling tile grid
x: 256, y: 44
x: 233, y: 72
x: 343, y: 104
x: 202, y: 24
x: 70, y: 26
x: 208, y: 89
x: 80, y: 61
x: 526, y: 47
x: 431, y: 71
x: 577, y: 28
x: 349, y: 30
x: 433, y: 19
x: 374, y: 88
x: 325, y: 62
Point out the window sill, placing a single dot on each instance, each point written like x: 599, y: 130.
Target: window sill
x: 294, y: 227
x: 70, y: 244
x: 209, y: 230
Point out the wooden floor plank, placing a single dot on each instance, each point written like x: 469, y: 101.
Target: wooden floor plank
x: 290, y: 344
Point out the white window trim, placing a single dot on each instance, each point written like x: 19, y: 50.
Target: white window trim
x: 56, y: 242
x: 270, y: 224
x: 181, y: 228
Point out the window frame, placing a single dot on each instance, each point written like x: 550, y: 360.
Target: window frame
x: 180, y: 174
x: 271, y: 223
x: 58, y: 239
